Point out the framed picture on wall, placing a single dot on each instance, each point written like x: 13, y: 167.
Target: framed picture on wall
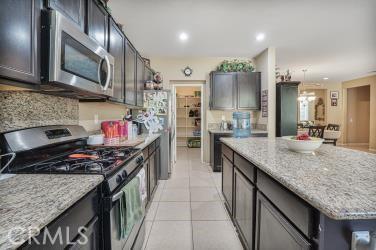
x: 334, y: 94
x: 334, y: 102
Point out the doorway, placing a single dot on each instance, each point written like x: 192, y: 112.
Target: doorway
x: 358, y: 116
x: 189, y: 116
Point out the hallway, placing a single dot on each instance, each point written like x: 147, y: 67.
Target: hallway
x: 187, y: 211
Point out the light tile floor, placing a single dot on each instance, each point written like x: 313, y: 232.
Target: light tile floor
x: 187, y: 211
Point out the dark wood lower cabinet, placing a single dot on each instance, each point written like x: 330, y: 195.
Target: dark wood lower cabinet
x: 146, y: 168
x: 227, y: 182
x: 273, y: 231
x: 152, y: 173
x: 244, y: 207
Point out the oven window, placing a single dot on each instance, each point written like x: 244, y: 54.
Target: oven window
x: 79, y: 60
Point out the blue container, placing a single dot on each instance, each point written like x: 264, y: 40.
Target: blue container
x: 241, y: 122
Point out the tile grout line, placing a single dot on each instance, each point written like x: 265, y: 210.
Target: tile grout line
x: 190, y: 205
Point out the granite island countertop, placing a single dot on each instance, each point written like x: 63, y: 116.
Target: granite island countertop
x: 35, y: 200
x: 339, y: 182
x: 227, y: 131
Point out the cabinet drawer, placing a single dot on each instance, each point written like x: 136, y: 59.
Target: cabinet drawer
x: 145, y: 152
x: 151, y: 147
x: 228, y: 152
x: 247, y: 168
x: 295, y: 209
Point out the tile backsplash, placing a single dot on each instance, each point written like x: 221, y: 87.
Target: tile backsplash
x: 22, y: 109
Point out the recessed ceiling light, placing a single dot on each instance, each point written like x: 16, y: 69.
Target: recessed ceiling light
x: 260, y: 37
x: 183, y: 36
x: 326, y: 78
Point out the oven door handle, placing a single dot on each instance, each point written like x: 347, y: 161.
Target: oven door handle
x: 117, y: 196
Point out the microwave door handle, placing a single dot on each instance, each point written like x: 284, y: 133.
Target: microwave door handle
x: 109, y: 73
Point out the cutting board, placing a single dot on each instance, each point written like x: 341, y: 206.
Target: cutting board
x: 128, y: 143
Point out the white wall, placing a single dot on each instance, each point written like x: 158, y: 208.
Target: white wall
x: 265, y: 63
x: 171, y: 69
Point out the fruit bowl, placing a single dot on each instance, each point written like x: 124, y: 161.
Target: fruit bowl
x: 303, y: 144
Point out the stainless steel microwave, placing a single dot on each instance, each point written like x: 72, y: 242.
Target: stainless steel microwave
x: 76, y: 61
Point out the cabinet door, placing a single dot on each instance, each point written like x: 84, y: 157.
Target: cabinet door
x: 287, y: 114
x: 116, y: 49
x: 97, y: 23
x: 73, y: 9
x: 140, y: 81
x: 130, y: 74
x: 244, y: 207
x: 249, y: 85
x: 20, y: 40
x: 158, y: 162
x: 148, y: 74
x: 146, y: 168
x: 227, y: 181
x: 273, y: 231
x: 223, y: 91
x: 152, y: 173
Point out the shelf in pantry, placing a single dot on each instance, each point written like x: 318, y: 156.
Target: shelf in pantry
x: 189, y: 97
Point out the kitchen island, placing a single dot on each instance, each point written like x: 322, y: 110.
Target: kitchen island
x: 30, y: 202
x: 298, y: 201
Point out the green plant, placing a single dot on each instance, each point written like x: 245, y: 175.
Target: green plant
x: 236, y: 66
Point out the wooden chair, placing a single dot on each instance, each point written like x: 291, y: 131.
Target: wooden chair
x: 316, y: 131
x: 333, y: 127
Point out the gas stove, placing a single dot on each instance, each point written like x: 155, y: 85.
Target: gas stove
x: 63, y: 150
x: 85, y: 161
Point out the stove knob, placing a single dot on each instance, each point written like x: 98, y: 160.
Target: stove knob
x: 119, y: 178
x: 140, y: 160
x: 124, y: 174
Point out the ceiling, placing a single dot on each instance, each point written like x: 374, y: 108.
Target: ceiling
x: 334, y: 39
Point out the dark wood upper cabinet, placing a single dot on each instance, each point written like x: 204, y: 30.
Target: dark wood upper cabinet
x: 249, y: 85
x: 116, y: 48
x: 231, y: 91
x: 273, y: 231
x: 148, y: 74
x: 130, y: 74
x: 73, y: 9
x: 223, y: 91
x: 97, y: 23
x: 287, y: 108
x: 140, y: 81
x: 20, y: 40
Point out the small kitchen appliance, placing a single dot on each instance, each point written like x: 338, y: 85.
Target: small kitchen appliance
x: 75, y: 63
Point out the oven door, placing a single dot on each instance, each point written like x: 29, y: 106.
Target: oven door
x: 111, y: 219
x: 76, y: 61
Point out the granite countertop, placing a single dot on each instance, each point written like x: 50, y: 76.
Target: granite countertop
x: 33, y: 201
x: 219, y: 131
x: 148, y: 139
x: 339, y: 182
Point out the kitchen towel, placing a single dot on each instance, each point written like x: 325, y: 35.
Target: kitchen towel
x: 131, y: 209
x: 142, y: 176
